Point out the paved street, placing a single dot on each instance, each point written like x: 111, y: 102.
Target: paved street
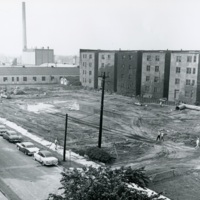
x: 23, y: 178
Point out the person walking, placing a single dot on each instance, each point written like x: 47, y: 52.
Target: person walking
x: 56, y: 144
x: 197, y: 143
x: 158, y: 137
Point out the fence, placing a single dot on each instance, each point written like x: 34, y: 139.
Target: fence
x: 152, y: 100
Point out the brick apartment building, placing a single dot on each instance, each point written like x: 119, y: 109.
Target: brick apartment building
x: 155, y: 74
x: 184, y: 77
x: 128, y: 72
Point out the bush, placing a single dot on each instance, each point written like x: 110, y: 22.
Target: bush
x: 81, y: 152
x: 101, y: 183
x: 99, y: 154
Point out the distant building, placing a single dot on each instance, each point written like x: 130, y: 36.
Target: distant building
x: 35, y: 75
x: 107, y: 64
x: 37, y: 56
x: 89, y: 68
x: 184, y: 77
x: 128, y: 72
x: 155, y: 74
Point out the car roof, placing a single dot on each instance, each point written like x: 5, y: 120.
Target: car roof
x: 27, y: 143
x: 45, y: 152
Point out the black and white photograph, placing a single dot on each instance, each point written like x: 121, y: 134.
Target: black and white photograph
x: 99, y: 100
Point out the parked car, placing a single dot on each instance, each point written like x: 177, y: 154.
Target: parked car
x: 12, y: 136
x: 45, y: 158
x: 27, y: 148
x: 2, y: 130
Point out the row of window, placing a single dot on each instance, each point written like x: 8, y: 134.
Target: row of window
x: 85, y: 64
x: 147, y: 89
x: 85, y: 80
x: 85, y: 56
x: 34, y: 78
x: 188, y: 70
x: 128, y: 86
x: 188, y: 81
x: 149, y: 58
x: 148, y: 68
x: 85, y: 71
x: 156, y: 79
x: 129, y: 76
x: 189, y: 58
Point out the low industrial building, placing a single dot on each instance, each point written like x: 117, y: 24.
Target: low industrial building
x: 35, y: 75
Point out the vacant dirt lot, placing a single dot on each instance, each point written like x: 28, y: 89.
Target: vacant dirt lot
x: 129, y: 132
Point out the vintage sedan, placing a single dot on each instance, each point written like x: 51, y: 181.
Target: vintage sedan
x: 12, y: 136
x: 45, y: 157
x: 27, y: 148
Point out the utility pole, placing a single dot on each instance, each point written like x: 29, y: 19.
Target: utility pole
x: 101, y: 112
x: 64, y: 148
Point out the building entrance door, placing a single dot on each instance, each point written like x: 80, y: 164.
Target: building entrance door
x: 176, y: 94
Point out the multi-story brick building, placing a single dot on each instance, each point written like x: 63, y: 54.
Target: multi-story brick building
x: 89, y: 68
x: 128, y: 72
x: 107, y: 64
x: 155, y: 74
x: 184, y: 77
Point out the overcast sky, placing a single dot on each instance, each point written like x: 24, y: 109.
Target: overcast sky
x: 68, y: 25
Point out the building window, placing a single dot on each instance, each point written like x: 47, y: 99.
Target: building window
x: 187, y: 94
x: 189, y: 58
x: 156, y: 68
x: 52, y: 78
x: 84, y: 55
x: 24, y: 78
x: 155, y: 89
x: 148, y: 58
x: 90, y: 56
x: 187, y: 82
x: 102, y: 57
x: 178, y: 69
x: 188, y: 71
x: 13, y: 79
x: 90, y: 81
x: 156, y: 79
x: 129, y: 76
x: 157, y: 58
x: 130, y: 57
x: 193, y: 82
x: 123, y: 56
x: 146, y: 88
x: 90, y: 64
x: 195, y: 58
x: 194, y: 70
x: 102, y: 64
x: 147, y: 78
x: 5, y: 79
x: 178, y: 58
x: 108, y: 56
x: 148, y: 67
x: 90, y: 72
x: 35, y: 78
x: 17, y: 79
x: 177, y: 81
x: 122, y: 75
x: 43, y: 78
x: 123, y: 66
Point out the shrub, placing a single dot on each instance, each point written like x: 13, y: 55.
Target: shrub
x: 99, y: 154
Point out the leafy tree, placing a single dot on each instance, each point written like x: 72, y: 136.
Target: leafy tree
x: 102, y: 184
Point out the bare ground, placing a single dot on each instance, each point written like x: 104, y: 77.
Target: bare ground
x: 129, y: 132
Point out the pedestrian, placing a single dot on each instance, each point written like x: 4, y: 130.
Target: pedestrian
x: 197, y: 143
x: 158, y: 137
x: 162, y: 136
x: 56, y: 144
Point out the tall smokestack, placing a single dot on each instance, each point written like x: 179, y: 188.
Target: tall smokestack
x: 24, y: 25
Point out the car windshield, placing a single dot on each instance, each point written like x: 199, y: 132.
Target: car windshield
x: 30, y: 146
x: 12, y: 133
